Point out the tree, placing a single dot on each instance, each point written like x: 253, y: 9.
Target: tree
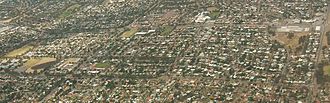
x: 290, y: 35
x: 110, y: 85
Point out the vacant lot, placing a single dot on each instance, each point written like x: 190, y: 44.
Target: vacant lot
x: 19, y: 51
x: 130, y: 32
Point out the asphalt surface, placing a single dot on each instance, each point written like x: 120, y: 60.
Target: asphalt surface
x: 324, y: 29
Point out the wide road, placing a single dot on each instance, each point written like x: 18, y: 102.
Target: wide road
x: 325, y: 28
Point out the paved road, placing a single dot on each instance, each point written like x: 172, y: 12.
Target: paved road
x: 325, y: 28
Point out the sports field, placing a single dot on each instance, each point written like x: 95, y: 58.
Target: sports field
x: 19, y: 51
x: 102, y: 65
x: 130, y: 32
x: 34, y: 62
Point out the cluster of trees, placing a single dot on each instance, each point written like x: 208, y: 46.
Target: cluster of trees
x: 319, y: 74
x: 290, y: 35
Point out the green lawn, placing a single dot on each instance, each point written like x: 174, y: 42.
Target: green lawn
x: 110, y: 85
x: 102, y: 65
x: 214, y: 14
x: 167, y: 30
x: 326, y: 70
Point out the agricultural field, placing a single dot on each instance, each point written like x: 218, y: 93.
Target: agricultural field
x: 19, y: 51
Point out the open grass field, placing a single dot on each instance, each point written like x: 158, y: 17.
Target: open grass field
x: 167, y: 30
x: 102, y: 65
x: 70, y: 10
x: 214, y: 14
x: 33, y: 62
x: 19, y: 51
x: 290, y: 43
x: 326, y: 70
x: 130, y: 32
